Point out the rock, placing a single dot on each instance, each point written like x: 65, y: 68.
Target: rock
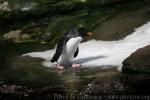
x: 121, y: 25
x: 40, y: 6
x: 15, y: 35
x: 139, y: 61
x: 106, y: 24
x: 30, y: 8
x: 25, y: 36
x: 5, y: 6
x: 39, y: 18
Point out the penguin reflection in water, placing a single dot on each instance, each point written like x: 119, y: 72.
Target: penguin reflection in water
x: 67, y: 48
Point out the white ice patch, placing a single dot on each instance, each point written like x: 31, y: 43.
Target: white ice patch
x: 96, y: 53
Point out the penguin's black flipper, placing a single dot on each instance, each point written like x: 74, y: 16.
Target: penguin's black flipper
x: 59, y: 49
x: 76, y: 53
x: 62, y: 42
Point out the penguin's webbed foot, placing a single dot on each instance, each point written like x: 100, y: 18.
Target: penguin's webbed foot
x: 76, y: 65
x: 60, y: 66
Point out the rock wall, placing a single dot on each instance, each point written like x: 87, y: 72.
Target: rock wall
x: 47, y: 20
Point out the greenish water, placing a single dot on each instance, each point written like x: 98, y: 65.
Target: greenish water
x: 29, y: 71
x: 22, y: 77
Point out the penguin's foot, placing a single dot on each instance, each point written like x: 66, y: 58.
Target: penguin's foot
x: 76, y: 65
x: 60, y: 66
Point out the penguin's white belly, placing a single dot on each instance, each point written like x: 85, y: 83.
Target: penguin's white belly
x: 68, y: 50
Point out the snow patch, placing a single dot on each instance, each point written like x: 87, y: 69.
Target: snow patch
x: 97, y: 53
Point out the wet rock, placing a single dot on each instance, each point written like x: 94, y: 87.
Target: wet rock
x: 108, y: 82
x: 39, y: 18
x: 16, y: 35
x: 28, y: 6
x: 25, y: 37
x: 107, y: 24
x: 121, y: 25
x: 4, y: 6
x: 40, y: 6
x: 13, y: 35
x: 139, y: 61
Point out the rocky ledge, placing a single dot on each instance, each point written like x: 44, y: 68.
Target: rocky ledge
x: 139, y: 61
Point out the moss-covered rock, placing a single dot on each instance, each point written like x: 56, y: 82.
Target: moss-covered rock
x: 45, y: 21
x: 61, y: 24
x: 38, y: 7
x: 109, y: 23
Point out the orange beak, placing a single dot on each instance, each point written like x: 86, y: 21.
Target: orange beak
x: 89, y: 33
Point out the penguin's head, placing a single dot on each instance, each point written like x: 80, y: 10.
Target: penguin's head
x: 83, y: 32
x: 78, y: 32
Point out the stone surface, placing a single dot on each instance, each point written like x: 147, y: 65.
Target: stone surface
x: 4, y: 6
x: 39, y: 19
x: 13, y: 35
x: 139, y: 61
x: 121, y: 25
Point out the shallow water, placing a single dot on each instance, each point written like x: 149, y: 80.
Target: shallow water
x: 30, y: 71
x: 26, y: 76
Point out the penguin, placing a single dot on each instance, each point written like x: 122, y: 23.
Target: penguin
x: 67, y: 47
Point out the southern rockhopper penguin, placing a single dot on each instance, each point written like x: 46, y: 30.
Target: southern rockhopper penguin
x: 67, y: 47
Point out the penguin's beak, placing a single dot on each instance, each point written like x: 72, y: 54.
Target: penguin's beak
x: 89, y: 33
